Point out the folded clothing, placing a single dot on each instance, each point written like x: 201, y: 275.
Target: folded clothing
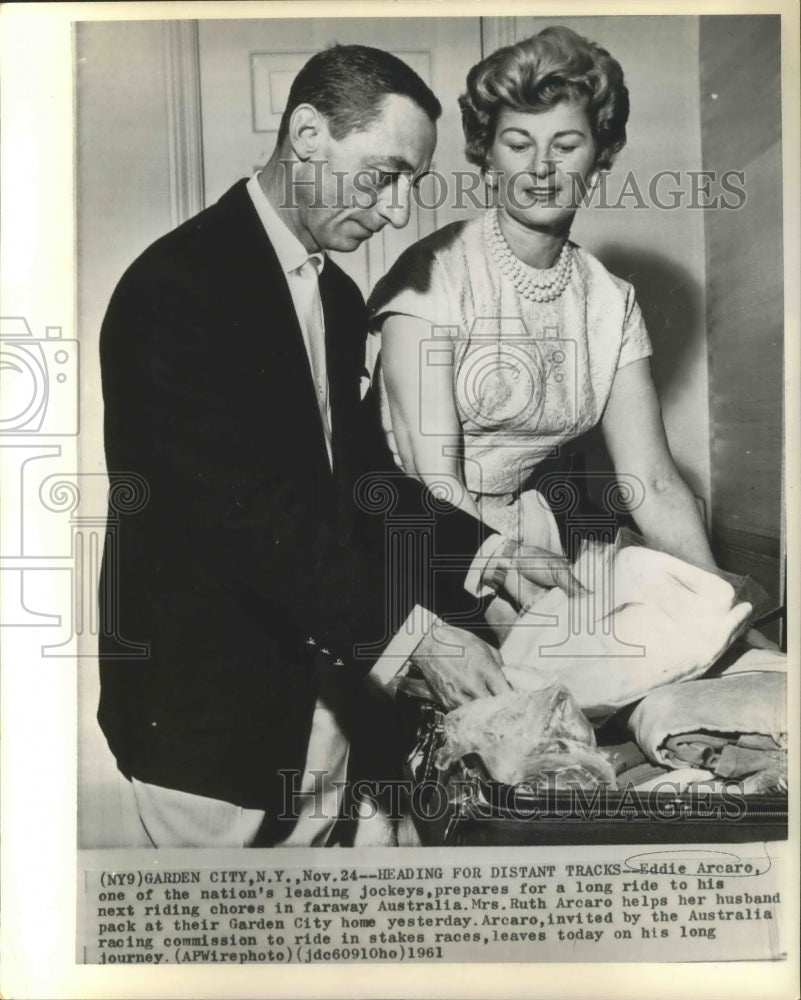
x: 645, y: 620
x: 698, y: 749
x: 539, y: 738
x: 737, y: 761
x: 642, y: 773
x: 674, y: 782
x: 623, y: 757
x: 757, y: 659
x: 734, y: 726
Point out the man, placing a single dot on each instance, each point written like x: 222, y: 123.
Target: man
x: 232, y: 353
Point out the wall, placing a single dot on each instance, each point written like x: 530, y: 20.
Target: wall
x: 660, y: 252
x: 741, y: 114
x: 246, y: 69
x: 123, y: 204
x: 122, y: 154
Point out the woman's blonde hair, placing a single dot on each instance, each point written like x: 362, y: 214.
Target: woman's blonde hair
x: 537, y: 73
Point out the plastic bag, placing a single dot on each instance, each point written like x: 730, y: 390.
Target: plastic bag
x: 532, y: 737
x: 745, y: 587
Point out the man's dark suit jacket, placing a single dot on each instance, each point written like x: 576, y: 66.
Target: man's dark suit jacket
x: 249, y: 556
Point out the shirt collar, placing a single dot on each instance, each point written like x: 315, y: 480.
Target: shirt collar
x: 290, y: 251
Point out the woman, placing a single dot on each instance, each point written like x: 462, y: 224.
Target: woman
x: 500, y: 339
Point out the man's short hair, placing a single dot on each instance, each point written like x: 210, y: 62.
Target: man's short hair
x: 347, y: 85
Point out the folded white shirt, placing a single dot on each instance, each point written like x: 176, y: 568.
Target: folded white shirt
x: 646, y: 620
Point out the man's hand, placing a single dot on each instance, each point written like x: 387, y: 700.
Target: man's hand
x: 458, y: 666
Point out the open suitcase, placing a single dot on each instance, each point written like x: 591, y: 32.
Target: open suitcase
x: 464, y: 806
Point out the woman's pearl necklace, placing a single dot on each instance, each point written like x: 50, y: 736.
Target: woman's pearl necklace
x: 549, y: 283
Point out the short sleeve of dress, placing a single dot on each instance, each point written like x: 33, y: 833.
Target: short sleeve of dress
x: 636, y: 344
x: 414, y: 286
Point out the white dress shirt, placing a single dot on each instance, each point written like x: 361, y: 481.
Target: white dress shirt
x: 293, y: 256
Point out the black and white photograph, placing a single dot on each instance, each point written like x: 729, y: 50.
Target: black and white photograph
x: 599, y: 444
x: 405, y: 495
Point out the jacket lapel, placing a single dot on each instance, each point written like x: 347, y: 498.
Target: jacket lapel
x: 271, y: 312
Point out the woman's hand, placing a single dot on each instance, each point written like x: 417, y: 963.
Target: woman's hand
x: 756, y: 640
x: 534, y: 568
x: 521, y: 572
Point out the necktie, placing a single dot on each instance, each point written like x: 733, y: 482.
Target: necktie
x: 314, y: 334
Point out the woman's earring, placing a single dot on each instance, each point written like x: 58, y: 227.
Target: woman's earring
x: 491, y: 180
x: 589, y: 188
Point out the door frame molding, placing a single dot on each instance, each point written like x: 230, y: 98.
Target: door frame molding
x: 497, y: 32
x: 184, y: 123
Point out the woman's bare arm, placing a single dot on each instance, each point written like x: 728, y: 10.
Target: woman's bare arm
x: 635, y: 435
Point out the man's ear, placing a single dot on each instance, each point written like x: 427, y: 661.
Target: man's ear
x: 307, y: 128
